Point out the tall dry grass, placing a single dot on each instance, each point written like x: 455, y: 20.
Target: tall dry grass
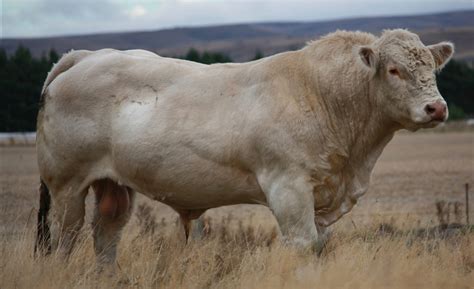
x: 152, y: 254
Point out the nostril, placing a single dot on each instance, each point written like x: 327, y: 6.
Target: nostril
x: 430, y: 109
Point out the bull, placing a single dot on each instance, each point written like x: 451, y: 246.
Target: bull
x: 299, y: 132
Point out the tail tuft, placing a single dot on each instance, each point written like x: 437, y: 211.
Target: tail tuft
x: 43, y: 236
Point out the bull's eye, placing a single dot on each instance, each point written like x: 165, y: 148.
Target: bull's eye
x: 394, y: 71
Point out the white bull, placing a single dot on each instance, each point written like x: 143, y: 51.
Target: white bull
x: 299, y: 131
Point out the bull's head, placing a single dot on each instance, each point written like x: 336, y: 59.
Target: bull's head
x: 403, y: 71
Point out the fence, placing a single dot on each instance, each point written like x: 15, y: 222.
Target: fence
x: 17, y: 138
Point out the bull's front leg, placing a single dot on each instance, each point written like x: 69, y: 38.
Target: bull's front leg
x: 290, y: 198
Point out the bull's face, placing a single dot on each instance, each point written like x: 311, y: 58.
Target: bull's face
x: 404, y: 71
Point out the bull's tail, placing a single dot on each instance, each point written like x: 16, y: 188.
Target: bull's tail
x: 43, y: 235
x: 67, y: 61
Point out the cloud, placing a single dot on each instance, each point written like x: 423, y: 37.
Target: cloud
x: 53, y: 17
x: 29, y: 18
x: 137, y: 11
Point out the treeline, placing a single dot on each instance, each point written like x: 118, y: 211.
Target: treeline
x: 22, y: 77
x: 205, y: 57
x: 456, y: 85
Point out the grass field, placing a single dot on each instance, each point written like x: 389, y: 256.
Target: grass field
x: 242, y: 248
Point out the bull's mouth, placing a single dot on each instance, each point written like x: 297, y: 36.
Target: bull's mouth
x: 416, y: 125
x: 433, y: 123
x: 430, y: 124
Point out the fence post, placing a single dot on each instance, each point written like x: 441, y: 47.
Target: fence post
x: 467, y: 203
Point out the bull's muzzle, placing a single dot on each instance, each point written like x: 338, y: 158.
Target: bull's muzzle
x: 437, y: 110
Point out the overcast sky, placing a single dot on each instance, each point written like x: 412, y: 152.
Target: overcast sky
x: 34, y: 18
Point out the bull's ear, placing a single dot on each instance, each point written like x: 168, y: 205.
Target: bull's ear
x: 368, y: 57
x: 442, y: 53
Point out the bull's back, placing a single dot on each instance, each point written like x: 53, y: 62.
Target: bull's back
x: 86, y: 87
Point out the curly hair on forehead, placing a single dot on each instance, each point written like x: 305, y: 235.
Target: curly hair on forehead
x: 399, y: 34
x: 405, y: 47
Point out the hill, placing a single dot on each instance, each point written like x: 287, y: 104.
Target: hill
x: 241, y: 41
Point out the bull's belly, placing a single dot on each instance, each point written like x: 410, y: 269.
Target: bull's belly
x: 190, y: 184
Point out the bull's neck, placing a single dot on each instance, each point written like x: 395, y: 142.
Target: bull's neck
x: 346, y: 108
x: 357, y: 117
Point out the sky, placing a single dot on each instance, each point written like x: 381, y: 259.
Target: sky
x: 38, y: 18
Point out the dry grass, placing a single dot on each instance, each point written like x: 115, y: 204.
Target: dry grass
x: 242, y: 248
x: 234, y: 259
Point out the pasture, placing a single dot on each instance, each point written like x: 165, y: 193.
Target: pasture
x: 387, y: 241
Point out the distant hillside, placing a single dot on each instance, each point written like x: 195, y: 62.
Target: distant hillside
x: 241, y: 41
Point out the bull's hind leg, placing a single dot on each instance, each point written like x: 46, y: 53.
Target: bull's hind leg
x: 112, y: 211
x: 68, y: 210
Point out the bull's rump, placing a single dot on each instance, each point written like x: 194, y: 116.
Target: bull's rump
x: 160, y: 126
